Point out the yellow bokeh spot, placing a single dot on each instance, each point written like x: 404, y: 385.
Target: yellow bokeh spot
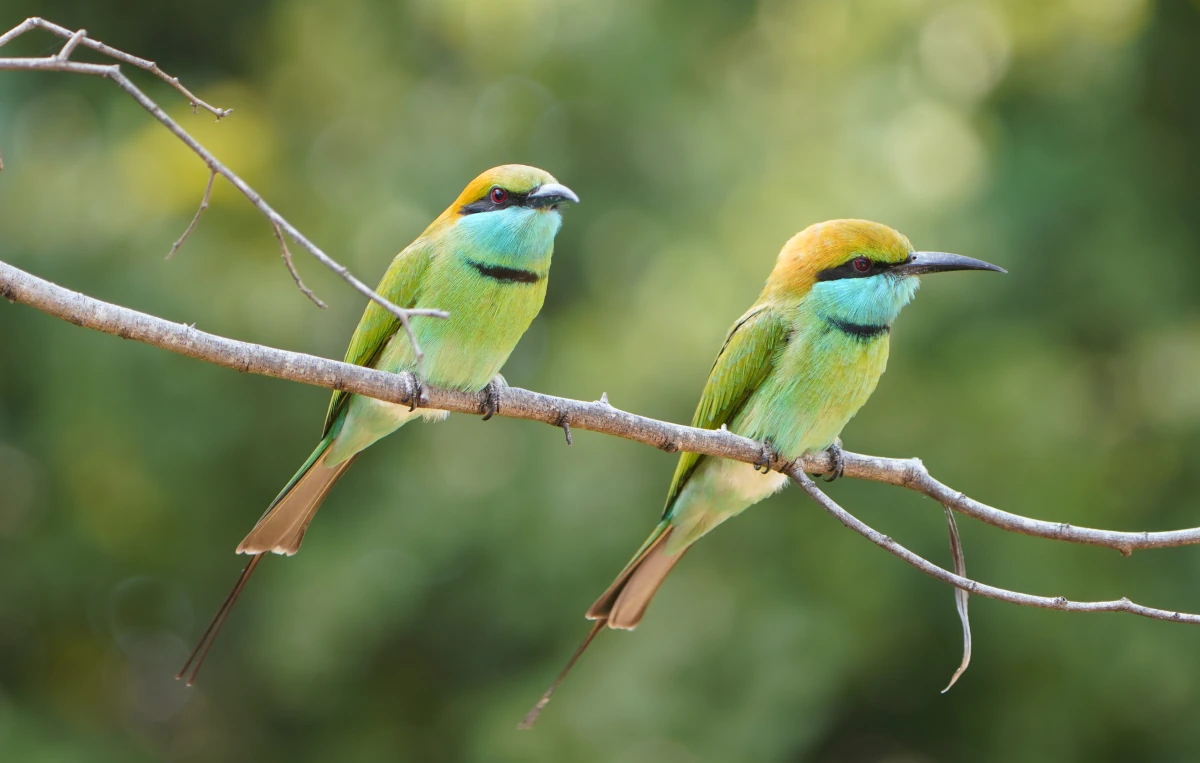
x: 1113, y: 21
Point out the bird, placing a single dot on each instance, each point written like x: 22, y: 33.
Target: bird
x: 794, y: 369
x: 486, y: 261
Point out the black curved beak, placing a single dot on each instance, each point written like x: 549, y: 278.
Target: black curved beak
x: 550, y: 194
x: 941, y: 262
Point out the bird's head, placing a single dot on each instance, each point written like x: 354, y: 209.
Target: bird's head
x: 510, y: 207
x: 512, y: 186
x: 865, y: 269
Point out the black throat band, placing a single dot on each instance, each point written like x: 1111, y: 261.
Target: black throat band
x: 503, y: 274
x: 860, y: 331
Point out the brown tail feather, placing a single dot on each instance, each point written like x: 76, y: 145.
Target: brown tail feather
x: 282, y: 528
x: 621, y: 606
x: 625, y: 601
x: 532, y: 716
x: 214, y: 626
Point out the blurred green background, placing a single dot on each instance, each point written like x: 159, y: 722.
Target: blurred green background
x: 444, y: 583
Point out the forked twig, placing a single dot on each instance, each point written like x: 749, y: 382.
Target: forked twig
x: 59, y: 62
x: 972, y: 586
x: 80, y: 37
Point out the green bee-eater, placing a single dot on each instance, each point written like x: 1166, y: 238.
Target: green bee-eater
x: 794, y: 369
x: 486, y: 261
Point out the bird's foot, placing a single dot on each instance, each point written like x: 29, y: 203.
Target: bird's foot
x: 838, y: 458
x: 492, y: 396
x: 416, y: 398
x: 767, y: 456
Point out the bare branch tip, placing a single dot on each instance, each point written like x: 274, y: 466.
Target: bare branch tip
x: 196, y: 218
x: 291, y: 266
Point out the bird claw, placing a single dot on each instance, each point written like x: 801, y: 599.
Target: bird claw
x: 767, y: 456
x: 492, y: 393
x: 416, y: 398
x: 837, y: 456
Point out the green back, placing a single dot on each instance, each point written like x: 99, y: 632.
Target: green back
x: 400, y: 286
x: 743, y: 363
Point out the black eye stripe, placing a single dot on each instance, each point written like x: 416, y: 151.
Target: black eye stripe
x: 485, y: 203
x: 848, y: 270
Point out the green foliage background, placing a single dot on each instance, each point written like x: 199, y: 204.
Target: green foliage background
x: 443, y: 584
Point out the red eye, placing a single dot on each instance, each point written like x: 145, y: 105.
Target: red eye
x: 498, y: 195
x: 862, y: 264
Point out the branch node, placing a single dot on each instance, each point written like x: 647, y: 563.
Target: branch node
x: 914, y: 471
x: 669, y: 445
x: 604, y: 399
x: 564, y: 423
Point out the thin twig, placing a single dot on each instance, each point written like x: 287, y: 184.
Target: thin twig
x: 72, y: 43
x: 99, y: 47
x: 597, y: 416
x: 212, y: 176
x: 960, y: 596
x: 113, y: 72
x: 291, y: 266
x: 971, y: 586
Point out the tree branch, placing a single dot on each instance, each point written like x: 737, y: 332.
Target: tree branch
x: 912, y: 474
x: 60, y: 63
x: 80, y: 37
x: 966, y: 584
x: 599, y: 416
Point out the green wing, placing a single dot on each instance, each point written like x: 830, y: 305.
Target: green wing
x: 744, y: 361
x: 400, y: 286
